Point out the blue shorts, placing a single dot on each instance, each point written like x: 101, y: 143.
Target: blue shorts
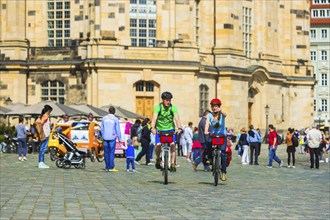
x: 157, y: 138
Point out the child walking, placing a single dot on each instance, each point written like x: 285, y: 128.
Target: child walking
x: 129, y: 155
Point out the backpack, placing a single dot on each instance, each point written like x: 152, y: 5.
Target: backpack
x: 139, y: 133
x: 295, y: 141
x: 279, y: 139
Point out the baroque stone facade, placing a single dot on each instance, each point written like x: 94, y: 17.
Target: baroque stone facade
x: 249, y: 54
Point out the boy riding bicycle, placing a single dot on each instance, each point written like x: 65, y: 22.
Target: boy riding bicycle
x: 215, y: 124
x: 165, y: 118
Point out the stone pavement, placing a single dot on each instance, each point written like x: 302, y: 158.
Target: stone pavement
x: 251, y: 192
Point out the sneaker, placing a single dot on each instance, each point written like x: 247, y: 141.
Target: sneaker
x: 177, y: 165
x: 42, y: 165
x: 244, y: 163
x: 157, y: 164
x: 113, y: 170
x: 223, y: 177
x: 172, y: 168
x: 152, y: 160
x: 321, y: 161
x: 127, y: 170
x: 137, y: 163
x: 289, y: 166
x: 194, y: 165
x: 134, y: 171
x: 24, y: 158
x: 20, y: 158
x: 281, y: 164
x: 150, y: 164
x: 188, y: 160
x: 269, y: 166
x: 293, y: 167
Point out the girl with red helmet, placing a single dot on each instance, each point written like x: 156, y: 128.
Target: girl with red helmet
x: 215, y: 124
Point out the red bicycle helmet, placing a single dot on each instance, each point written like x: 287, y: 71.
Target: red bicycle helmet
x: 215, y: 102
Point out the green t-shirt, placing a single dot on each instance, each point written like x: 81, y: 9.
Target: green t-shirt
x: 165, y: 120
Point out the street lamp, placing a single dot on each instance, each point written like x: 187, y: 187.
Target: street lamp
x: 319, y: 113
x: 266, y: 113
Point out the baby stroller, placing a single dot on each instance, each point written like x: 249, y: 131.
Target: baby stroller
x: 73, y: 156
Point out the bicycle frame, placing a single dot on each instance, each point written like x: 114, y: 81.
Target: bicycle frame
x: 166, y: 138
x: 217, y: 141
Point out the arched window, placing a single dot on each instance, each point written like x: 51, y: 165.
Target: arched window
x: 53, y: 90
x: 142, y: 86
x: 203, y: 98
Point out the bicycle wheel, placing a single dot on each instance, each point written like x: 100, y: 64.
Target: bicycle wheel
x: 166, y: 167
x: 216, y: 168
x: 93, y: 155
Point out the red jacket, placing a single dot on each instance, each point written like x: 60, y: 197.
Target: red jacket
x: 271, y: 137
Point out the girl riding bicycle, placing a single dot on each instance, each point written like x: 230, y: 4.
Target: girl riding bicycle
x: 215, y: 124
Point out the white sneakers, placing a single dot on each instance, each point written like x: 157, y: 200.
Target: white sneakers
x: 150, y: 164
x: 188, y: 160
x: 42, y: 165
x: 137, y: 163
x: 22, y: 158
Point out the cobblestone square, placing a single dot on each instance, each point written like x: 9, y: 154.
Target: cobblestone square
x: 251, y: 192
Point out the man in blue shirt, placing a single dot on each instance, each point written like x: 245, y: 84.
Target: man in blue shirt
x: 254, y: 139
x: 110, y: 130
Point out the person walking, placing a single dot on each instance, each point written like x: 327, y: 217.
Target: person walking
x: 243, y: 142
x: 314, y: 137
x: 110, y: 130
x: 202, y: 139
x: 43, y: 131
x: 188, y: 136
x: 145, y: 143
x: 134, y: 132
x: 22, y: 139
x: 129, y: 155
x: 290, y: 149
x: 254, y: 139
x: 273, y: 144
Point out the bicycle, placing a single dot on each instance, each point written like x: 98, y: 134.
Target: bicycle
x: 166, y: 138
x: 217, y: 141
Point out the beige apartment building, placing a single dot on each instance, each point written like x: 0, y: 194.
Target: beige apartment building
x: 248, y: 53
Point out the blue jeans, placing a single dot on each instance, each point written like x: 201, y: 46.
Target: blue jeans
x: 109, y: 153
x: 22, y: 146
x: 42, y: 150
x: 272, y: 156
x: 151, y: 151
x: 128, y: 162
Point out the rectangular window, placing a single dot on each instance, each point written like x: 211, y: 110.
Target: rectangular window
x: 152, y: 23
x: 66, y: 33
x: 324, y: 55
x: 313, y: 33
x: 66, y: 5
x: 324, y: 105
x: 134, y: 42
x: 132, y: 22
x: 66, y: 14
x: 50, y: 34
x: 59, y: 33
x: 324, y: 33
x: 50, y: 24
x: 50, y: 5
x: 59, y: 24
x: 247, y: 36
x: 314, y: 105
x: 59, y: 5
x: 315, y: 13
x: 324, y: 79
x: 132, y: 32
x: 67, y: 23
x: 142, y: 42
x: 67, y: 42
x: 51, y: 15
x: 152, y: 33
x: 133, y: 2
x: 59, y: 14
x: 313, y: 55
x: 142, y: 33
x: 142, y: 2
x: 142, y: 23
x: 50, y: 43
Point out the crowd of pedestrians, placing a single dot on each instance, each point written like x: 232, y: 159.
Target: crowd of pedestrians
x: 193, y: 143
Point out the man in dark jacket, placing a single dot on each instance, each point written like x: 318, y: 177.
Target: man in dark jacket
x: 203, y: 141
